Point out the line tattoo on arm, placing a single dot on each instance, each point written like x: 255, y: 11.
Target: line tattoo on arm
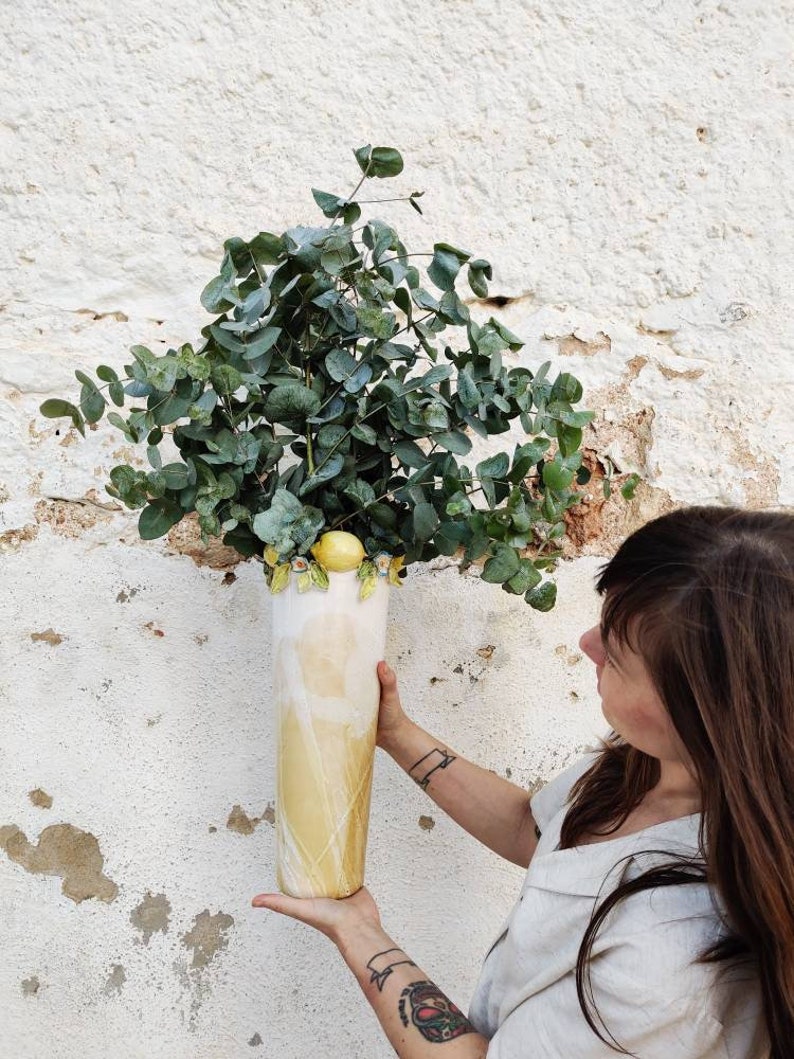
x: 427, y: 765
x: 423, y: 1005
x: 383, y: 963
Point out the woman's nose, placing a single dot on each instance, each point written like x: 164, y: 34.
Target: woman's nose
x: 590, y: 643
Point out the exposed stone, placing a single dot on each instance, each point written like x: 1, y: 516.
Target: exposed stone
x: 185, y: 539
x: 572, y: 346
x: 151, y: 916
x: 427, y: 823
x: 244, y: 824
x: 573, y: 658
x: 49, y: 636
x: 30, y: 986
x: 687, y: 373
x: 208, y: 937
x: 13, y: 540
x: 240, y: 822
x: 116, y: 979
x: 66, y: 851
x: 71, y: 518
x: 40, y: 798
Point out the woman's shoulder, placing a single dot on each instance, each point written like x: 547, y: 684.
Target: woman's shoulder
x: 555, y: 794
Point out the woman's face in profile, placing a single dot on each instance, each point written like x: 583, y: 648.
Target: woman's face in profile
x: 629, y: 700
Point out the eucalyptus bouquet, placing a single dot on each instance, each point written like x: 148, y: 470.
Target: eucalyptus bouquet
x: 337, y: 388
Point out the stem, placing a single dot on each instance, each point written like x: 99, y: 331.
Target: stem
x: 352, y: 194
x: 400, y: 198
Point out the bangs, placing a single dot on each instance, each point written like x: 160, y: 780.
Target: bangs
x: 634, y: 612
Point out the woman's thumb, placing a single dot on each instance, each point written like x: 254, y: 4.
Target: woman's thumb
x: 388, y: 682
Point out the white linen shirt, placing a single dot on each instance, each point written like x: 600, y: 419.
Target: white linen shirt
x: 656, y: 1001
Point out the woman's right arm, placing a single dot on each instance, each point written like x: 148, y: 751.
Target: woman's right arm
x: 493, y: 810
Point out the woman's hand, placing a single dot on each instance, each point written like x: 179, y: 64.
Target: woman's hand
x: 391, y: 717
x: 337, y: 919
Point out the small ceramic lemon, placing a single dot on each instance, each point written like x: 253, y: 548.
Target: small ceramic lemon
x: 338, y: 551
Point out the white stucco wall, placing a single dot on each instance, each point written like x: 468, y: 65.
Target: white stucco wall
x: 625, y: 168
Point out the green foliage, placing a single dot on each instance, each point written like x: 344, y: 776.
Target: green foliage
x: 338, y: 387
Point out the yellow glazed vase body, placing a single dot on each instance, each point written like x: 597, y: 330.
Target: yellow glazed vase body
x: 326, y: 646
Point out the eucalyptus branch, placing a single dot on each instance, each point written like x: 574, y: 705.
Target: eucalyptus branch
x: 292, y: 392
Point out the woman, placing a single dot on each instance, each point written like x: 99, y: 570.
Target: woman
x: 657, y: 915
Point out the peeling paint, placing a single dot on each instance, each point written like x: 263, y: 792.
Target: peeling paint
x: 571, y: 657
x: 597, y: 526
x: 427, y: 823
x: 13, y: 540
x: 66, y: 851
x: 40, y: 798
x: 71, y: 518
x: 243, y: 824
x: 115, y: 314
x: 116, y: 979
x: 762, y: 483
x: 153, y: 629
x: 573, y: 346
x: 487, y: 651
x: 634, y: 367
x: 151, y: 916
x: 208, y: 937
x: 185, y: 539
x: 688, y: 373
x: 31, y: 986
x: 49, y: 636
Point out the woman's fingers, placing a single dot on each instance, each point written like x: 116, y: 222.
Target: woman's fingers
x: 388, y: 685
x: 328, y: 915
x: 275, y: 902
x: 319, y: 913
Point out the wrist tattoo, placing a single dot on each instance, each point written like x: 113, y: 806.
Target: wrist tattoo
x: 423, y: 1005
x: 383, y: 963
x: 427, y: 765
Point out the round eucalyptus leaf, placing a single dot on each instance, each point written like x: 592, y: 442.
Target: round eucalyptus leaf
x: 425, y: 521
x: 543, y: 597
x: 556, y: 477
x: 157, y: 518
x: 503, y: 564
x: 286, y: 404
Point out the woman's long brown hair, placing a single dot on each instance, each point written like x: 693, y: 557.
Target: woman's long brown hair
x: 706, y: 596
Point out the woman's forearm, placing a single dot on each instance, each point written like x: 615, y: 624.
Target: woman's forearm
x: 493, y: 810
x: 412, y: 1010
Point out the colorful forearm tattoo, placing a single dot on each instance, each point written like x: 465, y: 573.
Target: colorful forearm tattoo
x: 423, y: 1005
x: 427, y: 765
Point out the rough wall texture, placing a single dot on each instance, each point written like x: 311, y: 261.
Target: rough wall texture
x: 624, y: 167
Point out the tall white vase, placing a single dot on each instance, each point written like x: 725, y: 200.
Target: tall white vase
x: 326, y: 646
